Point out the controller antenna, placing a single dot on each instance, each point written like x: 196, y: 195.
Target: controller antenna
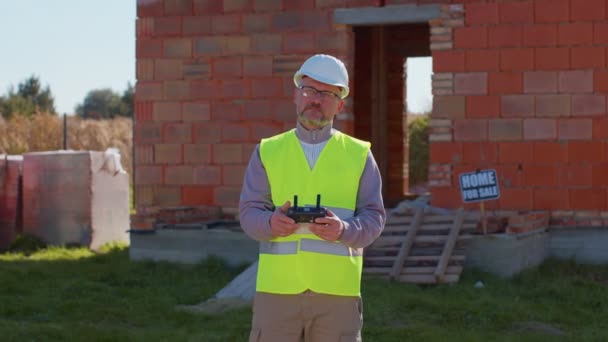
x: 295, y: 201
x: 318, y: 201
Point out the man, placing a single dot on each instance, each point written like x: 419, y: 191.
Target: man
x: 309, y: 274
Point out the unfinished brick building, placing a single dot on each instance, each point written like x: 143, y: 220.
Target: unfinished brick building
x: 519, y: 86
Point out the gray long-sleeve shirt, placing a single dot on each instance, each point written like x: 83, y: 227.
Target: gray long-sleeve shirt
x: 256, y: 206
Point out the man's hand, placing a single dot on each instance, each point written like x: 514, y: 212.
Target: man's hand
x: 328, y: 228
x: 281, y: 224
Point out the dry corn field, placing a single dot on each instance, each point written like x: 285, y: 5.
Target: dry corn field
x: 44, y: 132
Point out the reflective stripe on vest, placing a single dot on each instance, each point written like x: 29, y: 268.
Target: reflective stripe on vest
x: 269, y: 247
x: 302, y: 260
x: 326, y: 247
x: 308, y: 245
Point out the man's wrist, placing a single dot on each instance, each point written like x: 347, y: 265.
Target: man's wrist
x: 342, y: 229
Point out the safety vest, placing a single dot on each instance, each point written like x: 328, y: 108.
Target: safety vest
x: 301, y: 261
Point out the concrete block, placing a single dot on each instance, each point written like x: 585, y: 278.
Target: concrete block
x: 243, y: 286
x: 75, y: 197
x: 191, y: 246
x: 10, y: 199
x: 584, y: 245
x: 507, y: 254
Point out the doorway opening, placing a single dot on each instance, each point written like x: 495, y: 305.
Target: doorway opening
x: 380, y: 99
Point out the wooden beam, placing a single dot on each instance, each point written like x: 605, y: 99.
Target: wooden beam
x: 449, y: 247
x: 407, y: 244
x: 399, y: 14
x: 413, y: 270
x: 428, y: 278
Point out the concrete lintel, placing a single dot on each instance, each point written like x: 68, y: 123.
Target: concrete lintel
x: 399, y: 14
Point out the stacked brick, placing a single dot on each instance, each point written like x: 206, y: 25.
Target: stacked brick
x: 527, y: 96
x: 445, y: 104
x: 153, y: 217
x: 10, y: 199
x: 528, y: 222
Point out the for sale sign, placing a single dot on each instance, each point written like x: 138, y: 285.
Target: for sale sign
x: 479, y: 186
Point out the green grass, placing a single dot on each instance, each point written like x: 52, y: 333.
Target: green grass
x: 59, y: 294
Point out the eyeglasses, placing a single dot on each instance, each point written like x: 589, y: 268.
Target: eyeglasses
x: 323, y: 95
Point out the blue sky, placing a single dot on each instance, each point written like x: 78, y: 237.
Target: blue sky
x: 419, y: 93
x: 75, y: 46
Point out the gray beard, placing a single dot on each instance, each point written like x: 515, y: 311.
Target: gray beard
x: 306, y: 122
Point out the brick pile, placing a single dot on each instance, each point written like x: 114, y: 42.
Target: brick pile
x: 152, y: 218
x: 527, y: 222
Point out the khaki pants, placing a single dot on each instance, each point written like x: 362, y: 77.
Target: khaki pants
x: 309, y: 317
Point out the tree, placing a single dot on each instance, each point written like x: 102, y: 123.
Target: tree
x: 418, y: 130
x: 106, y: 104
x: 29, y: 99
x: 128, y: 100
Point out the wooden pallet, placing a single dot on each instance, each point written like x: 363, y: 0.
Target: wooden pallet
x: 421, y: 248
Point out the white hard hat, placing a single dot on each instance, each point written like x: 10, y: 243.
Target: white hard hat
x: 325, y: 69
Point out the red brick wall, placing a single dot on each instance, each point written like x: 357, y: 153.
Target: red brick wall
x: 521, y: 87
x: 213, y: 77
